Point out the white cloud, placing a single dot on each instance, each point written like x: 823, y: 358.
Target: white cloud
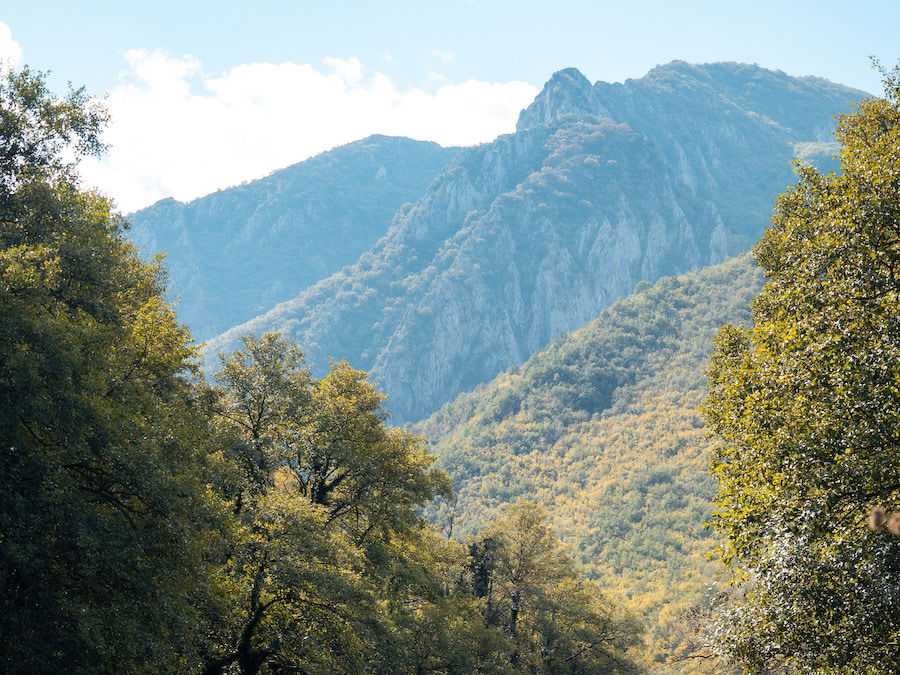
x: 444, y: 57
x: 178, y: 131
x: 10, y: 50
x: 351, y: 70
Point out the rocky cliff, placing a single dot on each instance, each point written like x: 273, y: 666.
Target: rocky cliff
x: 600, y: 187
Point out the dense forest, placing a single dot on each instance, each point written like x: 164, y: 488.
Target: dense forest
x: 603, y: 429
x: 268, y: 519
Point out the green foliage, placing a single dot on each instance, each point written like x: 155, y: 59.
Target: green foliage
x: 806, y: 405
x: 104, y: 512
x: 603, y: 430
x: 555, y: 620
x: 329, y: 567
x: 41, y: 136
x: 328, y: 434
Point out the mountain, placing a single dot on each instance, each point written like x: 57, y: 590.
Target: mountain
x: 237, y: 252
x: 717, y: 125
x: 600, y: 187
x: 603, y: 429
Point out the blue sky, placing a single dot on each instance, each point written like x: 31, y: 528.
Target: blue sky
x: 454, y: 71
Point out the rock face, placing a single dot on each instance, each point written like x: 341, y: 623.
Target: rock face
x: 534, y: 234
x: 236, y: 253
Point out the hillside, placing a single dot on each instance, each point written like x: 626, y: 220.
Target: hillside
x: 600, y: 187
x: 603, y: 429
x: 237, y: 252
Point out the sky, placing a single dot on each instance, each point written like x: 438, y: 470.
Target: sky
x: 207, y: 94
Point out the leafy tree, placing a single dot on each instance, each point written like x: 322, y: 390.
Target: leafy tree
x: 806, y: 405
x: 329, y: 568
x: 42, y: 137
x: 265, y: 387
x: 292, y: 594
x: 437, y: 622
x: 556, y: 621
x: 329, y: 435
x: 103, y: 505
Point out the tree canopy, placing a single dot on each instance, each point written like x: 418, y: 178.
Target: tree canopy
x: 103, y: 507
x: 324, y: 499
x: 807, y: 408
x: 329, y: 567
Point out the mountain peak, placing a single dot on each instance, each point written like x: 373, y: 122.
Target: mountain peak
x: 567, y: 92
x: 571, y: 76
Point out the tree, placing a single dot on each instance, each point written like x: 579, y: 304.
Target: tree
x: 555, y: 620
x: 806, y: 405
x: 329, y: 567
x: 327, y: 435
x: 42, y: 137
x: 293, y: 594
x: 103, y: 505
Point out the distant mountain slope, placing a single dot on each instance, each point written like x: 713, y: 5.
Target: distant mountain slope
x: 237, y: 252
x: 534, y: 234
x: 603, y: 429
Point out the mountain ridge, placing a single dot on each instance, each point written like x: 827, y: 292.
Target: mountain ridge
x: 602, y: 186
x: 240, y: 250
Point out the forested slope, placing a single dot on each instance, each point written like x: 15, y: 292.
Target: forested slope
x: 603, y: 429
